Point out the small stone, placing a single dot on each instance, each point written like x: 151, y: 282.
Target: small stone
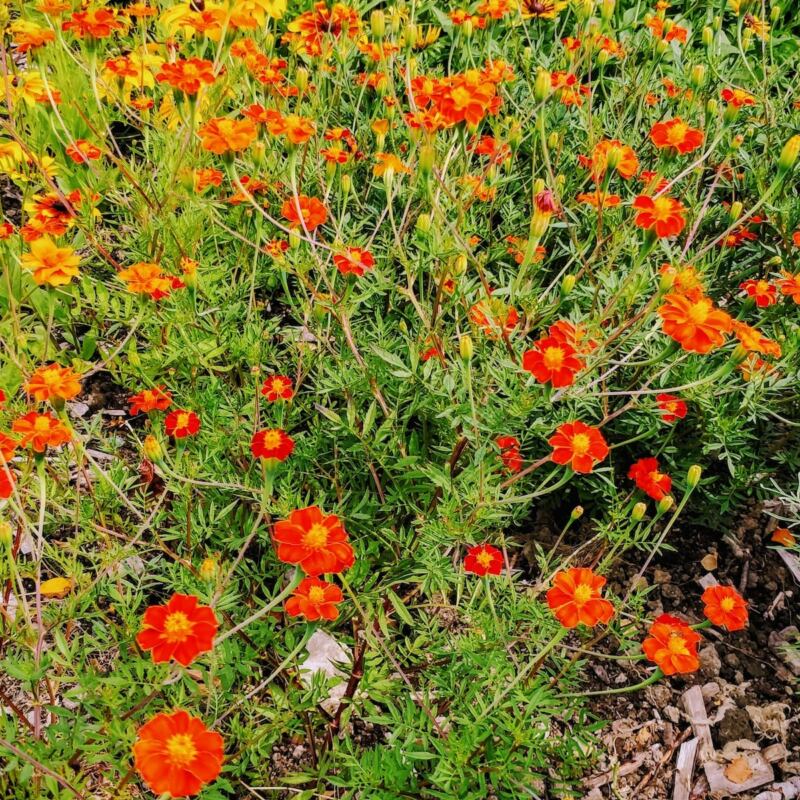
x: 710, y: 690
x: 658, y: 695
x: 661, y: 576
x: 672, y: 592
x: 735, y: 725
x: 672, y: 714
x: 732, y: 660
x: 710, y: 664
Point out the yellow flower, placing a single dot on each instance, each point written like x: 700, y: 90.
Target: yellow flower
x: 51, y: 265
x: 249, y: 13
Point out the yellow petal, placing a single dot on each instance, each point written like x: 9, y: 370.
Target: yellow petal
x: 56, y: 587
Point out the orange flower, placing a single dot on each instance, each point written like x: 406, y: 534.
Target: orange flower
x: 763, y: 292
x: 272, y: 444
x: 685, y: 281
x: 150, y: 400
x: 181, y: 423
x: 483, y: 559
x: 671, y: 407
x: 53, y: 382
x: 28, y: 35
x: 96, y: 23
x: 578, y: 445
x: 494, y: 317
x: 277, y: 387
x: 314, y: 541
x: 694, y: 323
x: 552, y: 360
x: 81, y: 151
x: 662, y: 216
x: 187, y: 75
x: 309, y: 31
x: 7, y: 447
x: 573, y: 335
x: 386, y: 162
x: 754, y: 341
x: 654, y: 483
x: 599, y: 199
x: 182, y: 629
x: 575, y: 598
x: 314, y: 599
x: 296, y: 129
x: 509, y: 452
x: 309, y: 210
x: 784, y: 537
x: 676, y: 135
x: 790, y: 285
x: 177, y: 755
x: 672, y: 645
x: 146, y: 278
x: 7, y: 482
x: 222, y: 135
x: 51, y: 265
x: 354, y: 260
x: 41, y: 431
x: 725, y: 607
x: 613, y: 154
x: 737, y: 98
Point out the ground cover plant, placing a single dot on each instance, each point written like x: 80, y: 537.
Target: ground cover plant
x: 313, y: 314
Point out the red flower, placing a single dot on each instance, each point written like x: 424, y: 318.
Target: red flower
x: 7, y: 447
x: 653, y: 483
x: 763, y: 292
x: 314, y: 541
x: 662, y: 215
x: 671, y: 407
x: 308, y: 209
x: 187, y: 75
x: 6, y: 482
x: 181, y: 423
x: 790, y: 284
x: 271, y: 444
x: 353, y: 260
x: 578, y: 445
x: 694, y: 322
x: 509, y: 452
x: 177, y: 755
x: 150, y: 400
x: 41, y: 431
x: 182, y: 629
x: 483, y: 559
x: 575, y: 598
x: 725, y: 607
x: 672, y: 645
x: 277, y: 387
x: 552, y: 360
x: 81, y: 151
x: 494, y: 317
x: 676, y: 134
x: 95, y: 23
x: 314, y: 599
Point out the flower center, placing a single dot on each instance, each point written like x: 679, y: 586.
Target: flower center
x: 41, y: 424
x: 181, y: 750
x: 581, y: 444
x: 271, y: 440
x: 484, y: 559
x: 677, y: 133
x: 316, y: 594
x: 182, y: 421
x: 553, y: 357
x: 662, y: 208
x: 677, y: 645
x: 316, y: 536
x: 582, y: 594
x: 727, y: 604
x: 177, y: 626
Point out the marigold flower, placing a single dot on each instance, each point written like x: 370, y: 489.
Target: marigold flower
x: 187, y: 75
x: 662, y: 215
x: 483, y: 559
x: 271, y: 444
x: 7, y: 481
x: 156, y: 399
x: 146, y: 278
x: 354, y: 260
x: 277, y: 387
x: 784, y: 537
x: 95, y: 23
x: 314, y: 599
x: 677, y: 135
x: 40, y: 431
x: 82, y: 152
x: 297, y: 129
x: 50, y: 265
x: 494, y: 317
x: 575, y: 336
x: 310, y: 210
x: 612, y: 154
x: 654, y: 483
x: 790, y: 285
x: 552, y: 360
x: 314, y: 541
x: 28, y: 35
x: 177, y: 755
x: 509, y: 452
x: 762, y: 291
x: 672, y: 408
x: 724, y: 606
x: 754, y: 341
x: 672, y: 645
x: 579, y: 445
x: 737, y: 98
x: 308, y: 32
x: 7, y: 447
x: 575, y: 598
x: 181, y: 423
x: 386, y: 162
x: 181, y: 630
x: 52, y: 382
x: 599, y: 199
x: 222, y: 135
x: 694, y: 323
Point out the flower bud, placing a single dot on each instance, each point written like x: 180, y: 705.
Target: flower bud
x: 708, y: 36
x: 152, y: 448
x: 424, y: 223
x: 666, y: 280
x: 747, y: 38
x: 552, y: 140
x: 539, y: 224
x: 301, y: 79
x: 427, y: 158
x: 577, y: 513
x: 542, y: 86
x: 774, y: 14
x: 716, y: 23
x: 567, y: 284
x: 775, y: 261
x: 698, y: 77
x: 736, y: 142
x: 603, y: 57
x: 665, y: 504
x: 712, y: 106
x: 693, y: 475
x: 662, y: 46
x: 410, y: 35
x: 735, y: 211
x: 6, y: 535
x: 459, y: 264
x: 294, y: 240
x: 346, y: 182
x: 467, y: 28
x: 607, y: 10
x: 208, y: 569
x: 638, y: 512
x: 789, y: 154
x: 465, y: 347
x: 377, y: 23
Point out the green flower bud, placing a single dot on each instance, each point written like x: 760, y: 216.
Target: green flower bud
x: 465, y: 347
x: 693, y: 475
x: 789, y: 154
x: 638, y: 512
x: 665, y: 504
x: 577, y: 513
x: 708, y: 36
x: 542, y: 86
x: 377, y: 22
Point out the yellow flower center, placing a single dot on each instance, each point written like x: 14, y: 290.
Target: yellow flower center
x: 727, y: 604
x: 316, y: 594
x: 484, y: 559
x: 581, y: 444
x: 177, y: 626
x: 182, y: 421
x: 662, y: 208
x: 583, y: 593
x: 41, y: 424
x: 698, y: 313
x: 677, y: 133
x: 553, y: 357
x: 677, y: 645
x: 271, y: 440
x: 316, y: 536
x: 181, y: 750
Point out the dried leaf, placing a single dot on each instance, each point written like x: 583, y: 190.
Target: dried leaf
x: 738, y: 771
x: 709, y: 562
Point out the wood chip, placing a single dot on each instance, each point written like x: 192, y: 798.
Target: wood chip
x: 696, y: 711
x: 747, y: 771
x: 684, y: 769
